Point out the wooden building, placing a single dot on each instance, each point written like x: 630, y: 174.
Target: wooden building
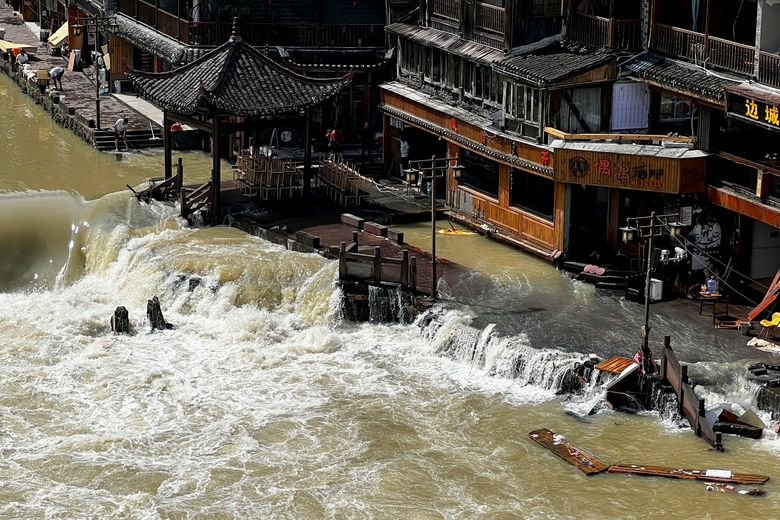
x: 566, y: 116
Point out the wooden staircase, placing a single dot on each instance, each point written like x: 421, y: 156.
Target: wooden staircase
x: 194, y: 199
x: 136, y: 139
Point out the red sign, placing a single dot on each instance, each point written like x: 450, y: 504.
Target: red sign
x: 545, y: 158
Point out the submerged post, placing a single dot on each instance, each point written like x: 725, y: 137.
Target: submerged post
x: 646, y: 326
x: 434, y: 285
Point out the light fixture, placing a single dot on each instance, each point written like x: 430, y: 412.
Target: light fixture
x: 114, y: 27
x: 457, y: 171
x: 77, y: 29
x: 676, y: 228
x: 411, y: 175
x: 629, y: 233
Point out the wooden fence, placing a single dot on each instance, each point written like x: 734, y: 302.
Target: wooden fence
x: 689, y: 404
x: 377, y: 269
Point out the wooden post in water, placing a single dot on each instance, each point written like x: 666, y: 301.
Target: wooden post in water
x: 179, y: 175
x: 377, y: 264
x: 405, y: 268
x: 699, y: 416
x: 667, y: 345
x: 183, y: 202
x: 413, y: 274
x: 355, y: 238
x: 342, y: 259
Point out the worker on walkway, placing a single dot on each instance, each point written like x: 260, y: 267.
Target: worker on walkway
x: 120, y: 130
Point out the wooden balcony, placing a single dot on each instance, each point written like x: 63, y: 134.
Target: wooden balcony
x: 490, y: 18
x: 717, y: 52
x: 605, y: 32
x: 449, y: 9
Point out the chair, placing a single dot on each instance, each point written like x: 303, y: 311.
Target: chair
x: 767, y: 325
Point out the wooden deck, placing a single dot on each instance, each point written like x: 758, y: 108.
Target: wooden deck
x: 582, y: 460
x: 710, y: 475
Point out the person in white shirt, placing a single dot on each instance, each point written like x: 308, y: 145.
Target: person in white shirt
x: 56, y: 74
x: 120, y: 130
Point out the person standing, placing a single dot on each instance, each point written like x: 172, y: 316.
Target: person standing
x: 404, y: 155
x: 56, y: 74
x: 366, y: 142
x: 120, y: 130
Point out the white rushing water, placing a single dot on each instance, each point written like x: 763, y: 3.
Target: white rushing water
x: 261, y: 402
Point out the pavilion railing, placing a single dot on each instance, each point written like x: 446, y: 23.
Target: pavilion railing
x: 605, y: 32
x: 446, y: 9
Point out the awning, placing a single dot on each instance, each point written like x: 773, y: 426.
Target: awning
x: 59, y: 36
x: 6, y: 46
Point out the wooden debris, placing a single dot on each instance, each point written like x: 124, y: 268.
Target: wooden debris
x: 120, y: 321
x: 155, y: 315
x: 710, y: 475
x: 615, y: 364
x: 585, y: 462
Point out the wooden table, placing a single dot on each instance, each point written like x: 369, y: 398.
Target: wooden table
x: 712, y: 299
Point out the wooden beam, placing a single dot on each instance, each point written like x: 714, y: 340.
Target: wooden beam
x: 307, y: 155
x: 617, y: 137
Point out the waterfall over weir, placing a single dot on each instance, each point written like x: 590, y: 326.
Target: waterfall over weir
x: 484, y: 351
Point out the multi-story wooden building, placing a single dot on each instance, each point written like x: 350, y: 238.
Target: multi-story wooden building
x: 570, y: 117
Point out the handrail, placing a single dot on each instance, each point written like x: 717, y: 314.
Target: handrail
x: 618, y: 137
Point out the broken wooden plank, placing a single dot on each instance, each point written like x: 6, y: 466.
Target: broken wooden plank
x: 711, y: 475
x: 615, y: 364
x: 584, y: 461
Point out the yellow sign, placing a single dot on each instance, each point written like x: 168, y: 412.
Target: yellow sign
x: 751, y: 109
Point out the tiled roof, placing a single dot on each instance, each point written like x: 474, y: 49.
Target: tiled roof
x: 679, y: 77
x: 552, y: 63
x: 150, y: 40
x: 445, y: 41
x: 235, y: 79
x: 359, y: 59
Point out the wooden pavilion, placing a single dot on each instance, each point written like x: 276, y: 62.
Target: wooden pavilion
x: 232, y: 88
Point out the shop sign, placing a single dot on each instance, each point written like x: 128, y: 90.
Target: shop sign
x: 754, y: 111
x: 617, y: 170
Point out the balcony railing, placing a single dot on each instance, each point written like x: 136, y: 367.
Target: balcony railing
x: 446, y: 9
x: 733, y: 56
x: 605, y: 32
x: 490, y: 18
x: 769, y: 68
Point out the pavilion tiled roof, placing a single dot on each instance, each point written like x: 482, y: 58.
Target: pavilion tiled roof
x: 553, y: 63
x: 236, y: 79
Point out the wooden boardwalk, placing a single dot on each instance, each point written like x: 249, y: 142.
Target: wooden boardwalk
x: 582, y: 460
x: 710, y: 475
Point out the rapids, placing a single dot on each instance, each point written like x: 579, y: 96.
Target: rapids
x: 263, y: 403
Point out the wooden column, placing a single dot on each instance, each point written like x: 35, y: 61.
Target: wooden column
x: 167, y: 144
x: 762, y: 184
x: 215, y: 170
x: 307, y: 155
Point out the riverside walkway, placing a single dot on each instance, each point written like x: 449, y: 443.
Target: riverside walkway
x: 74, y: 106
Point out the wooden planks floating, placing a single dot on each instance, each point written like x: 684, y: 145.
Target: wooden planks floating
x: 710, y: 475
x: 582, y: 460
x: 615, y: 364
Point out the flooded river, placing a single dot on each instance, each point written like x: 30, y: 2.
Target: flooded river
x: 262, y: 403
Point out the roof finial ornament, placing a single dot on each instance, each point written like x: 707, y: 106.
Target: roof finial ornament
x: 235, y: 34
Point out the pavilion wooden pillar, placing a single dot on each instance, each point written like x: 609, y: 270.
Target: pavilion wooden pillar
x: 168, y: 145
x: 307, y: 155
x: 215, y: 170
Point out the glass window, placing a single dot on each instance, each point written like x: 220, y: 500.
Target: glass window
x: 480, y: 173
x: 532, y: 193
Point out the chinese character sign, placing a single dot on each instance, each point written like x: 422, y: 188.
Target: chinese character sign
x: 754, y: 111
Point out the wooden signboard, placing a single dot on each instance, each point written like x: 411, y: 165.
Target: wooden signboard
x: 71, y: 61
x: 634, y: 172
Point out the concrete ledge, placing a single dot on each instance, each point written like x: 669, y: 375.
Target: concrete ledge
x: 375, y: 229
x: 352, y: 220
x: 395, y: 236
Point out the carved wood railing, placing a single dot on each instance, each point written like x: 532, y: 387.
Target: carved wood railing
x: 769, y: 69
x: 626, y: 35
x: 446, y: 9
x: 490, y: 18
